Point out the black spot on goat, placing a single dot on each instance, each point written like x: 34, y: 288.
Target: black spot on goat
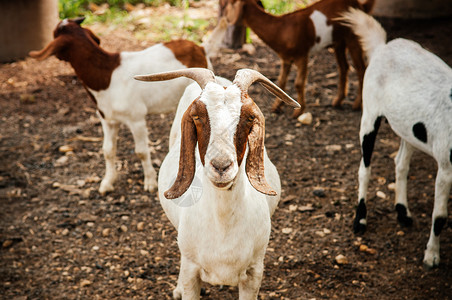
x: 420, y: 132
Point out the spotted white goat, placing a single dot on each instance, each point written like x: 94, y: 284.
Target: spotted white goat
x: 220, y: 206
x: 411, y: 88
x: 108, y: 79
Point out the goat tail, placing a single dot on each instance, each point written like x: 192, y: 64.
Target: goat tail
x: 370, y: 33
x: 213, y: 43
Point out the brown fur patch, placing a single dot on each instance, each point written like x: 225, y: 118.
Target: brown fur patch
x: 188, y: 53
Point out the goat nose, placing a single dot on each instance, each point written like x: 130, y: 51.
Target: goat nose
x: 221, y: 165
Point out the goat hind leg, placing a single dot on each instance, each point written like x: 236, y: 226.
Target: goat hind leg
x: 368, y: 133
x: 110, y: 130
x: 300, y: 83
x: 439, y: 217
x: 402, y: 166
x: 341, y: 58
x: 358, y: 61
x: 140, y: 136
x: 282, y: 80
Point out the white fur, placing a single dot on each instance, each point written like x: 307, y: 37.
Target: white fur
x: 322, y: 30
x: 128, y: 101
x: 223, y: 234
x: 407, y: 84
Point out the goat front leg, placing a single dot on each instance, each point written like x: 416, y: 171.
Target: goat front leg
x: 249, y: 287
x: 439, y: 217
x: 341, y: 58
x: 188, y: 284
x: 300, y: 83
x: 402, y: 163
x: 110, y: 130
x: 282, y: 80
x: 140, y: 136
x: 358, y: 61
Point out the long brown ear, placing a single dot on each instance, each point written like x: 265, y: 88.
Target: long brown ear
x: 52, y: 48
x: 255, y: 161
x: 187, y: 161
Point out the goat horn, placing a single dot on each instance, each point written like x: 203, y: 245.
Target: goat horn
x: 200, y: 75
x: 246, y: 77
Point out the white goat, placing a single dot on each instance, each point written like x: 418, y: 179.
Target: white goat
x: 222, y: 218
x: 108, y: 79
x: 411, y: 88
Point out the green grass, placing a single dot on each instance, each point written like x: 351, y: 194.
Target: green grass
x: 75, y: 8
x: 278, y: 7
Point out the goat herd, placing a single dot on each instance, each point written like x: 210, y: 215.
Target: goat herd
x: 217, y: 185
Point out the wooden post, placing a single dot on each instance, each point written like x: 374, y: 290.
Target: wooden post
x: 26, y: 25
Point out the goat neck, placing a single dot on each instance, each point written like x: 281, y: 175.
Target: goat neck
x: 225, y: 206
x: 93, y: 65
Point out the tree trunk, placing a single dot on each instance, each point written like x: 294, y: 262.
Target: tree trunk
x: 26, y: 25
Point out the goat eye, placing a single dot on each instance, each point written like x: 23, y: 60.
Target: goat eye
x: 195, y: 117
x: 251, y: 118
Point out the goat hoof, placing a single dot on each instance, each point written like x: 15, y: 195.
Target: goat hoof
x: 359, y: 226
x: 431, y: 260
x: 402, y: 215
x: 337, y: 102
x: 297, y: 112
x: 105, y: 187
x: 150, y: 185
x: 356, y: 106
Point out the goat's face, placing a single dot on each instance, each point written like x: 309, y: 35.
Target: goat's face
x: 222, y: 121
x: 67, y: 35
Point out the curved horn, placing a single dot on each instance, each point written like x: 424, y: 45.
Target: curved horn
x: 246, y: 77
x: 200, y: 75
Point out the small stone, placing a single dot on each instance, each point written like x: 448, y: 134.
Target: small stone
x: 106, y: 232
x: 7, y: 243
x: 140, y: 226
x: 400, y: 233
x: 319, y: 192
x: 65, y: 148
x: 333, y: 148
x: 61, y: 161
x: 320, y: 233
x: 293, y: 207
x: 341, y: 259
x: 305, y: 119
x: 391, y: 186
x: 85, y: 282
x: 88, y: 235
x: 381, y: 195
x: 326, y: 231
x: 123, y: 228
x: 287, y: 230
x: 65, y: 232
x: 144, y: 252
x: 363, y: 248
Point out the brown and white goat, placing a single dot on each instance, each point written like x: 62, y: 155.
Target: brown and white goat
x: 221, y: 187
x: 295, y: 35
x: 108, y: 79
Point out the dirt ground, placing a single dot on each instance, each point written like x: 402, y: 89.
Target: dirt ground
x: 61, y: 240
